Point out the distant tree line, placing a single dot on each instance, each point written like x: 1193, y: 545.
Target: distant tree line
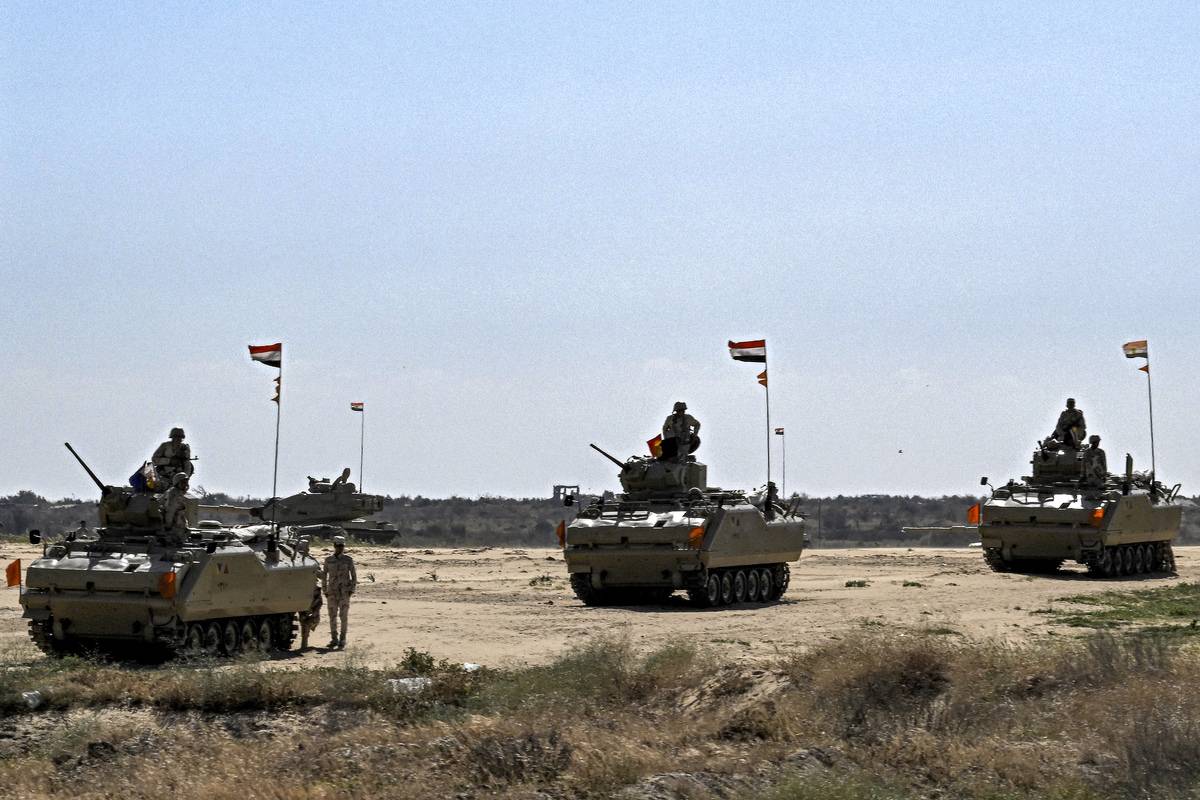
x: 844, y: 520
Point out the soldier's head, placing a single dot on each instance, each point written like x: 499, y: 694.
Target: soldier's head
x: 83, y: 523
x: 180, y: 480
x: 339, y: 544
x: 176, y: 434
x: 1094, y: 440
x: 680, y: 407
x: 1070, y: 402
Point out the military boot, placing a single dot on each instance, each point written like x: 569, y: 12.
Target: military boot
x: 342, y: 643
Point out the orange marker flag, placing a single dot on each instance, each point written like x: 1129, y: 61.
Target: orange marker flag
x: 13, y: 573
x: 973, y: 515
x: 561, y: 532
x: 655, y: 446
x: 1145, y: 368
x: 762, y: 377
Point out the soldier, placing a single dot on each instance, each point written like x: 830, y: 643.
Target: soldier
x: 174, y: 504
x: 171, y: 457
x: 1095, y: 463
x: 310, y: 619
x: 340, y: 581
x: 80, y: 533
x: 1070, y: 428
x: 340, y: 482
x: 681, y: 434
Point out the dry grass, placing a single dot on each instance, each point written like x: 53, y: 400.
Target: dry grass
x: 874, y: 716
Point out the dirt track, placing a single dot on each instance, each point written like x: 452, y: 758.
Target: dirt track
x: 502, y: 606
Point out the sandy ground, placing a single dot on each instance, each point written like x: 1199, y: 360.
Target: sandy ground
x: 501, y: 606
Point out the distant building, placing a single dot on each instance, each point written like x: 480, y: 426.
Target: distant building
x: 564, y: 490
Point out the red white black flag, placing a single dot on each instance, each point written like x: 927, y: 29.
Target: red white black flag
x: 269, y: 354
x: 356, y: 406
x: 753, y: 350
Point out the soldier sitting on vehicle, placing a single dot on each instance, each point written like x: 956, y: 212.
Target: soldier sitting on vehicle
x: 1071, y: 428
x: 172, y: 456
x: 341, y: 484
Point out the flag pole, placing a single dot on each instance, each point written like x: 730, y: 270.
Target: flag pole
x: 362, y: 438
x: 275, y: 472
x: 1150, y: 401
x: 767, y: 386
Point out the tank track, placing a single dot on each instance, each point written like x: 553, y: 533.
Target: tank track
x: 42, y: 635
x: 581, y: 585
x: 780, y: 577
x: 284, y: 629
x: 1133, y: 559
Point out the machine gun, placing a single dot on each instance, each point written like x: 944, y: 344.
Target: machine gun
x: 609, y: 456
x: 87, y: 469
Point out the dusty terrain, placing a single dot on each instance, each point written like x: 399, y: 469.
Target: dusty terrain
x: 502, y: 607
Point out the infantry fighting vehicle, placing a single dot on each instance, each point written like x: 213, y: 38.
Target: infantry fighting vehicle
x: 669, y: 531
x: 1122, y: 526
x: 206, y: 588
x: 328, y: 510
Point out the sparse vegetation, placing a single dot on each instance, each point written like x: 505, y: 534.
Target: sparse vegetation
x: 1168, y: 609
x: 896, y: 714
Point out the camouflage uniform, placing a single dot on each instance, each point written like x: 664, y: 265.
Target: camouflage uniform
x: 310, y: 619
x: 1071, y: 423
x: 340, y: 580
x: 172, y: 457
x: 1095, y: 464
x: 174, y: 505
x: 682, y: 427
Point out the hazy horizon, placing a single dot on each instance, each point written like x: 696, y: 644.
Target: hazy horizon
x: 515, y: 230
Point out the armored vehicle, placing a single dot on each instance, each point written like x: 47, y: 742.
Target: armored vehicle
x: 1118, y: 525
x: 670, y: 531
x: 203, y: 588
x: 329, y: 509
x: 324, y: 502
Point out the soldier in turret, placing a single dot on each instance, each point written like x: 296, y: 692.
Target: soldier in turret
x: 340, y: 579
x: 681, y: 434
x: 1095, y: 463
x: 1071, y: 428
x: 341, y: 484
x: 172, y: 456
x: 174, y: 504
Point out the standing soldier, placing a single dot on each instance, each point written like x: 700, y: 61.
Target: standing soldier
x: 340, y: 581
x: 174, y: 504
x: 1095, y: 463
x: 684, y: 429
x: 172, y: 456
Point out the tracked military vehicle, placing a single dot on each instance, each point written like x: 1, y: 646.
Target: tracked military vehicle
x: 203, y: 588
x: 1120, y: 525
x: 329, y: 509
x: 670, y: 531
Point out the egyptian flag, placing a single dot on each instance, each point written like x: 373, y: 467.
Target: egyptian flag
x: 1136, y: 349
x: 753, y: 350
x: 269, y: 354
x: 356, y: 406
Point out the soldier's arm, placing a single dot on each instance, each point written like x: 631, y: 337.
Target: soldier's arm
x: 325, y: 578
x: 695, y: 425
x: 353, y: 577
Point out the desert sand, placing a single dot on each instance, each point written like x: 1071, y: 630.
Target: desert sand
x: 499, y: 606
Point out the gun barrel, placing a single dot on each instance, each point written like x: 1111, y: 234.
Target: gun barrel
x: 86, y: 468
x: 609, y: 456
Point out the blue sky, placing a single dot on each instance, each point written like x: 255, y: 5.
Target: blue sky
x: 513, y: 230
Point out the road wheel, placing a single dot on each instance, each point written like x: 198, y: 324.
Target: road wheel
x: 751, y: 586
x: 286, y: 628
x: 193, y: 640
x: 266, y: 639
x: 739, y: 586
x: 1141, y: 563
x: 229, y: 637
x: 1168, y: 559
x: 212, y: 639
x: 766, y: 586
x: 726, y: 588
x: 248, y: 636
